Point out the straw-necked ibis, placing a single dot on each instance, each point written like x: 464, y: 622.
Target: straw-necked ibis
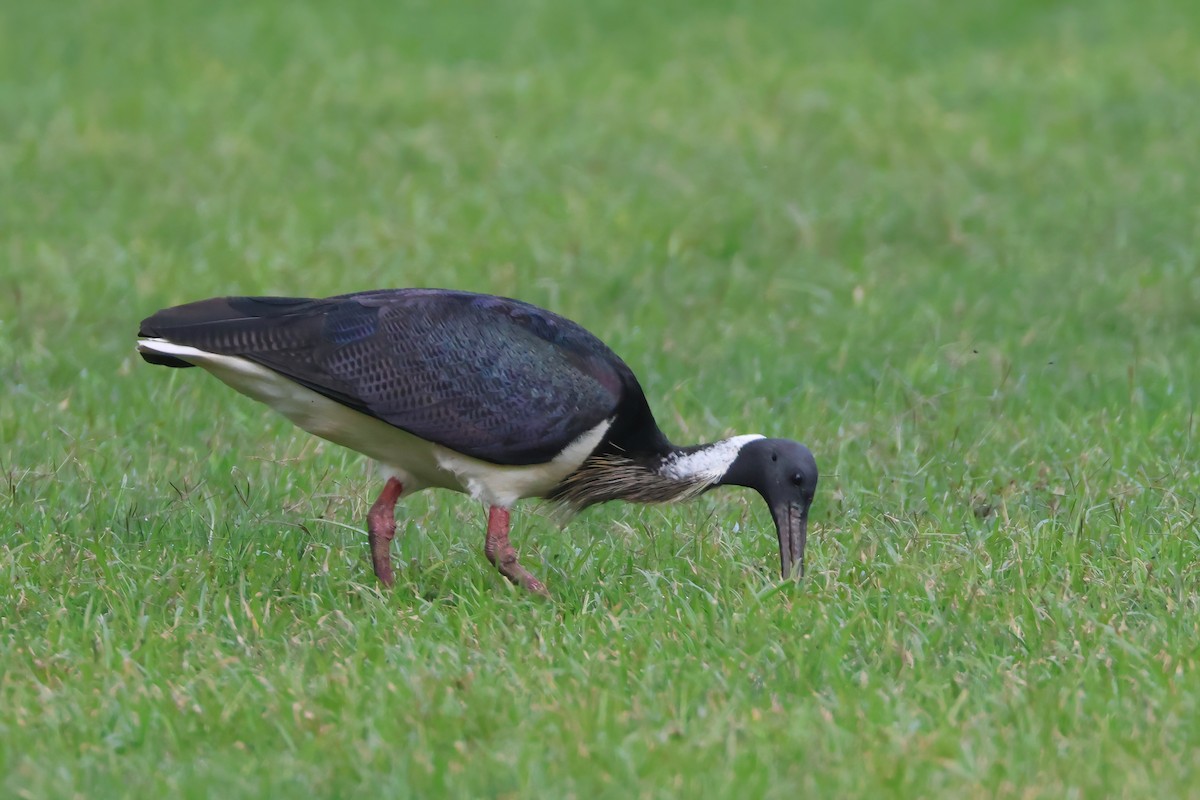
x: 484, y: 395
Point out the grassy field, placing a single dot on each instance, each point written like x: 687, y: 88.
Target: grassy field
x: 951, y: 246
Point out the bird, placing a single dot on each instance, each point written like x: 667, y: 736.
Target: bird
x: 480, y: 394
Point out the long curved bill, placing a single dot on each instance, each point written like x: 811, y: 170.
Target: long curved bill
x: 791, y: 523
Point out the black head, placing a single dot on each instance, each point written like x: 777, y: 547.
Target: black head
x: 785, y: 474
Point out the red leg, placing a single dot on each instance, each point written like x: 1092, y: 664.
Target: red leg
x: 500, y: 552
x: 381, y: 528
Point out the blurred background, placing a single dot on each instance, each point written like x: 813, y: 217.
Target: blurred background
x: 782, y: 215
x: 951, y: 246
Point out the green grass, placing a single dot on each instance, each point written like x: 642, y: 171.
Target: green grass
x: 951, y: 246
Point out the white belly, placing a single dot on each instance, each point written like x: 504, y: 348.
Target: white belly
x: 416, y: 463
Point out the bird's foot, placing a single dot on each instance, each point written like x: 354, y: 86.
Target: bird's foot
x: 511, y: 568
x: 500, y: 552
x: 381, y: 529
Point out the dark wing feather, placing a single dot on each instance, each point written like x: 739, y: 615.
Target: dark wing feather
x: 489, y: 377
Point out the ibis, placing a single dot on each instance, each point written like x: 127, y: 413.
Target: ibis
x: 484, y: 395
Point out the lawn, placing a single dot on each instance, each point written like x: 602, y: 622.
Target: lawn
x: 953, y: 247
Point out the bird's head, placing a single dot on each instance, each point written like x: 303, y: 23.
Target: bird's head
x: 785, y: 474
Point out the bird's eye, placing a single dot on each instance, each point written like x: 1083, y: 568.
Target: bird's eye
x: 774, y: 456
x: 798, y: 479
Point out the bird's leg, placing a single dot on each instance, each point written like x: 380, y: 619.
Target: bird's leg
x: 381, y: 527
x: 500, y: 552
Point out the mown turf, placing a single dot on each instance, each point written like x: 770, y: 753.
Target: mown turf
x: 952, y: 246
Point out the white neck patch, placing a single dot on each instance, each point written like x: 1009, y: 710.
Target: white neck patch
x: 708, y: 463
